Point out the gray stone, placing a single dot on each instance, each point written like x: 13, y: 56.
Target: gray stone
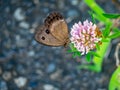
x: 20, y: 42
x: 56, y: 75
x: 74, y: 2
x: 7, y: 76
x: 20, y: 81
x: 31, y: 53
x: 73, y: 13
x: 51, y: 67
x: 0, y: 70
x: 49, y: 87
x: 24, y: 25
x: 3, y: 85
x: 18, y: 14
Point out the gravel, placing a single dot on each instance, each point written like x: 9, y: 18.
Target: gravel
x: 27, y: 65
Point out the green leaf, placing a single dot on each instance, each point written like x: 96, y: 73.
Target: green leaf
x: 78, y: 53
x: 108, y: 15
x: 106, y: 32
x: 91, y: 13
x: 75, y: 54
x: 115, y: 80
x: 97, y: 46
x: 88, y: 57
x: 115, y: 35
x: 116, y: 30
x: 69, y: 51
x: 104, y: 40
x: 73, y: 49
x: 94, y: 53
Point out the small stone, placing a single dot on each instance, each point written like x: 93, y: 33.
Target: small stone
x: 24, y: 25
x: 3, y: 85
x: 0, y: 70
x: 21, y: 69
x: 72, y: 13
x: 18, y: 14
x: 56, y: 75
x: 20, y: 42
x: 38, y: 71
x: 20, y: 82
x: 82, y: 6
x: 33, y: 83
x: 14, y: 73
x: 31, y: 53
x: 7, y: 75
x: 74, y: 2
x: 32, y: 30
x: 102, y: 89
x: 60, y: 4
x: 49, y: 87
x: 51, y: 67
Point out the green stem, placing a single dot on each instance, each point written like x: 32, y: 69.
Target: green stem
x: 97, y: 61
x: 97, y: 9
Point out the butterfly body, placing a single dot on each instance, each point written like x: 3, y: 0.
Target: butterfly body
x: 54, y: 31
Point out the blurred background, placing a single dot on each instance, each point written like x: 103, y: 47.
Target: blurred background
x: 28, y: 65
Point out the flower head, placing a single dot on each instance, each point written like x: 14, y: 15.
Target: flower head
x: 85, y: 36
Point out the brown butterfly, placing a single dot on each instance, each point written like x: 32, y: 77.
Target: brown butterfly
x: 54, y: 31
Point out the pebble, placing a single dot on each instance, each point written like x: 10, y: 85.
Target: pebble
x: 51, y: 67
x: 7, y: 76
x: 49, y: 87
x: 18, y: 14
x: 74, y: 2
x: 21, y: 69
x: 82, y: 6
x: 32, y: 30
x: 102, y: 89
x: 38, y: 71
x: 56, y: 75
x: 31, y: 53
x: 60, y: 4
x: 72, y: 13
x: 20, y: 42
x: 33, y: 83
x: 3, y: 85
x: 0, y: 70
x: 14, y: 73
x: 24, y: 25
x: 20, y: 81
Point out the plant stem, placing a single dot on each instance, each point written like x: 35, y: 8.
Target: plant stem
x: 97, y: 61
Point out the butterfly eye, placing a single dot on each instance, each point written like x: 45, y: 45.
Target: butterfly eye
x: 47, y: 31
x: 43, y: 38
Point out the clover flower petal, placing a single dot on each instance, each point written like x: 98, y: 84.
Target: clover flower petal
x: 84, y: 36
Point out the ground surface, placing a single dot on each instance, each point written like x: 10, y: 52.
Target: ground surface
x: 27, y: 65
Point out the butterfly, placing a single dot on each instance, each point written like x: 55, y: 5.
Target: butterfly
x: 54, y: 31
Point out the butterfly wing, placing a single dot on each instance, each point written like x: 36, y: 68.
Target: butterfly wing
x: 60, y: 30
x: 43, y: 36
x: 57, y: 26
